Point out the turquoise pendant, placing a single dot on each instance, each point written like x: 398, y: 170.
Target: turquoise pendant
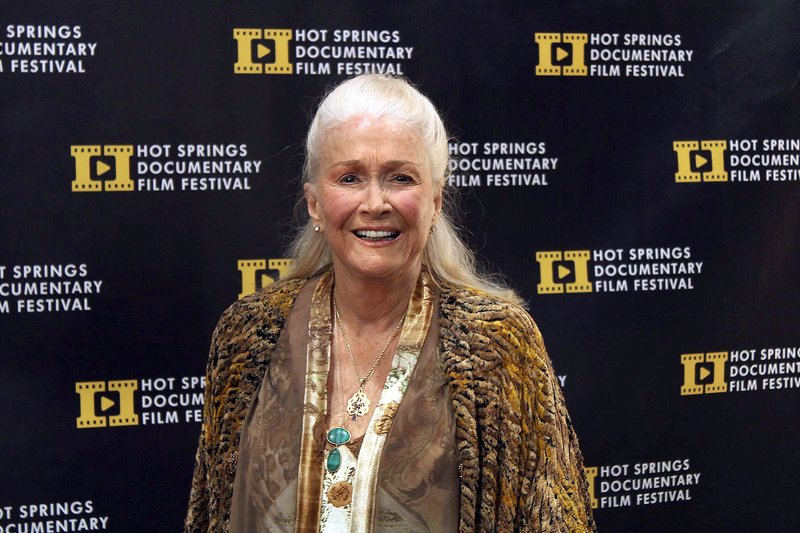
x: 337, y: 437
x: 334, y: 460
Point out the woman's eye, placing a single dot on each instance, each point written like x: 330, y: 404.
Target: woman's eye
x: 348, y: 178
x: 403, y: 178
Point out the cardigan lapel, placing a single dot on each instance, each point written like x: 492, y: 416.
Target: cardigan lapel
x: 236, y: 386
x: 455, y: 354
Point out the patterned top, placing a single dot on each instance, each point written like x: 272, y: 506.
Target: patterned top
x: 337, y: 518
x: 406, y: 471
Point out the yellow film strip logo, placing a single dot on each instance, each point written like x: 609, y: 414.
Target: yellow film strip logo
x: 704, y: 373
x: 250, y: 269
x: 98, y: 399
x: 262, y: 51
x: 591, y: 475
x: 700, y: 161
x: 102, y: 168
x: 556, y: 268
x: 561, y: 54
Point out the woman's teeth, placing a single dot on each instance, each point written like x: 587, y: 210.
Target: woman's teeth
x: 377, y: 235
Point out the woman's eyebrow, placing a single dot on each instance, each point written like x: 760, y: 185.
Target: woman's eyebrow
x: 349, y: 162
x: 394, y: 163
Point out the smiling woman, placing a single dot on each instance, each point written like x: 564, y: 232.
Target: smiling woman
x: 383, y: 383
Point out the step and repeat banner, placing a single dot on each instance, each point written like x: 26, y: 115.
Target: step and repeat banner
x: 633, y: 168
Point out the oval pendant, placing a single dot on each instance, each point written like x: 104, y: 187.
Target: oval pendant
x: 338, y: 436
x: 334, y: 460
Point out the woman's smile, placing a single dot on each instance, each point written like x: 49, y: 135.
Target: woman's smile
x: 377, y: 235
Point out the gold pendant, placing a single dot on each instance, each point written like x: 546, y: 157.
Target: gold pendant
x: 358, y: 405
x: 340, y: 494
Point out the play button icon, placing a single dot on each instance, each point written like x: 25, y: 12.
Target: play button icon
x: 102, y: 168
x: 700, y: 161
x: 106, y: 403
x: 262, y: 51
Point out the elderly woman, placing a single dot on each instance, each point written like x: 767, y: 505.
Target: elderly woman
x: 384, y: 384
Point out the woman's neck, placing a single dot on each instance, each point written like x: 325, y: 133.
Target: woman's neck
x: 373, y: 304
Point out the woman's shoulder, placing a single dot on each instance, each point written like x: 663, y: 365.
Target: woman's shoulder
x: 267, y: 305
x: 249, y: 328
x: 480, y: 326
x: 485, y: 339
x: 468, y: 304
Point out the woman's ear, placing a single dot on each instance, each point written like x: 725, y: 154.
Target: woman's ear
x: 437, y: 203
x: 311, y: 202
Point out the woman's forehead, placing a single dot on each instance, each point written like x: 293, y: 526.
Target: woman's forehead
x: 363, y: 134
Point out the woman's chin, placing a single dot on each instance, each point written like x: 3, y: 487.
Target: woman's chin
x: 380, y: 269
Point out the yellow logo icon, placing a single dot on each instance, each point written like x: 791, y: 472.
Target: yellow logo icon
x: 262, y: 51
x: 568, y: 50
x: 700, y: 161
x: 102, y: 168
x: 96, y: 414
x: 704, y: 373
x: 553, y: 272
x: 251, y: 267
x: 591, y: 474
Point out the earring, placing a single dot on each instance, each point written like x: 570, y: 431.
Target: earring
x: 433, y: 228
x: 316, y: 228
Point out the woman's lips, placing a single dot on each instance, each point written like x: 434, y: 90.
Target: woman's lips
x: 377, y: 235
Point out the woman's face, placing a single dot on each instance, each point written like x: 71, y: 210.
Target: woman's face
x: 374, y: 198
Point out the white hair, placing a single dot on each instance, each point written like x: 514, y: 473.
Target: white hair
x: 379, y: 96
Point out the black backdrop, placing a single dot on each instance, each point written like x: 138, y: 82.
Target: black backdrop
x: 628, y: 213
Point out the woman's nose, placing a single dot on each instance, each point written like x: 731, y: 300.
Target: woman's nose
x: 375, y: 200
